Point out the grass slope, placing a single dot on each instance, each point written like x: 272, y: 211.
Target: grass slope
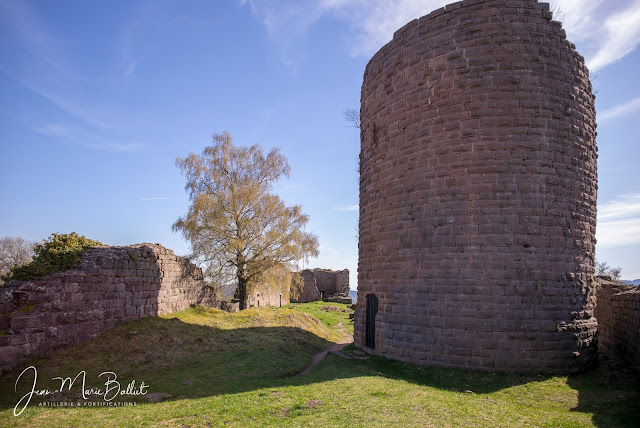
x: 225, y: 369
x: 331, y: 314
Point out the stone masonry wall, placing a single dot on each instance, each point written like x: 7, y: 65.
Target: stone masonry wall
x: 331, y: 282
x: 316, y: 283
x: 110, y: 285
x: 618, y: 313
x: 478, y: 192
x: 304, y: 289
x: 272, y: 289
x: 266, y: 296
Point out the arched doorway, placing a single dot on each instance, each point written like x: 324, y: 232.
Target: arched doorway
x: 371, y: 312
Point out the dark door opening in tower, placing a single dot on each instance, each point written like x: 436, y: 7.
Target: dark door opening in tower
x: 372, y: 311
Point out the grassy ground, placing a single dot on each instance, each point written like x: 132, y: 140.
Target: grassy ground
x: 331, y: 314
x: 219, y: 369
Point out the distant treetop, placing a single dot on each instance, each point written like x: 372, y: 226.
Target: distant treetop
x: 58, y: 253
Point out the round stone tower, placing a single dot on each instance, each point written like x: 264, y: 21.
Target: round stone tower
x: 478, y: 190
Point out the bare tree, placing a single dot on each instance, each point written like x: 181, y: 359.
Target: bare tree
x: 615, y: 272
x: 603, y: 269
x: 234, y: 224
x: 14, y: 251
x: 352, y: 117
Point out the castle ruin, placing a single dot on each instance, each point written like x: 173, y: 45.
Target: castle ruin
x: 478, y: 190
x: 321, y: 284
x: 109, y: 285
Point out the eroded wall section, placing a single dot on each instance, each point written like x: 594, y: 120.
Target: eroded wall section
x: 110, y: 285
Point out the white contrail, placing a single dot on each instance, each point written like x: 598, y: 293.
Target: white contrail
x: 162, y: 198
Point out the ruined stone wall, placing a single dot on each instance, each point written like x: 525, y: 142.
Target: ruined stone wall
x: 330, y: 282
x: 272, y: 289
x: 478, y: 192
x: 264, y: 295
x: 618, y: 313
x: 304, y: 288
x: 342, y: 282
x: 314, y: 284
x: 110, y: 285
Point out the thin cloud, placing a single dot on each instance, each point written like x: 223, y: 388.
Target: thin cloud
x: 622, y: 37
x: 296, y: 188
x: 328, y: 252
x: 63, y: 102
x: 77, y: 135
x: 374, y: 22
x: 628, y: 206
x: 113, y: 146
x: 52, y: 130
x: 136, y: 33
x: 618, y: 233
x: 619, y: 222
x: 604, y: 32
x: 355, y: 207
x: 286, y: 22
x: 621, y: 110
x: 579, y: 18
x: 42, y: 63
x: 620, y: 168
x: 129, y: 63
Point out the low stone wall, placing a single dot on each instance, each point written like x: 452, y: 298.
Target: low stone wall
x: 618, y: 314
x: 110, y: 285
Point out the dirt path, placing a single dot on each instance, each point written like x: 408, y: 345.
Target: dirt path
x: 333, y: 348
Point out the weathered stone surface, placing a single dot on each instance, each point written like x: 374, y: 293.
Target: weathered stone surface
x: 271, y: 289
x: 304, y: 289
x: 110, y: 285
x: 618, y: 313
x: 331, y: 282
x: 478, y: 192
x: 315, y: 284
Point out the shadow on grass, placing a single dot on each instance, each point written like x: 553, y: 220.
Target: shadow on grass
x: 180, y: 360
x: 172, y: 357
x: 611, y: 393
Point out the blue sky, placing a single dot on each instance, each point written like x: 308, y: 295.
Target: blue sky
x: 99, y: 98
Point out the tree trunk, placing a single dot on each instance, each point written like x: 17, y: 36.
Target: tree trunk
x: 242, y: 292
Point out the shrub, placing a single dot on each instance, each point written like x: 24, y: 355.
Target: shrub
x: 58, y: 253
